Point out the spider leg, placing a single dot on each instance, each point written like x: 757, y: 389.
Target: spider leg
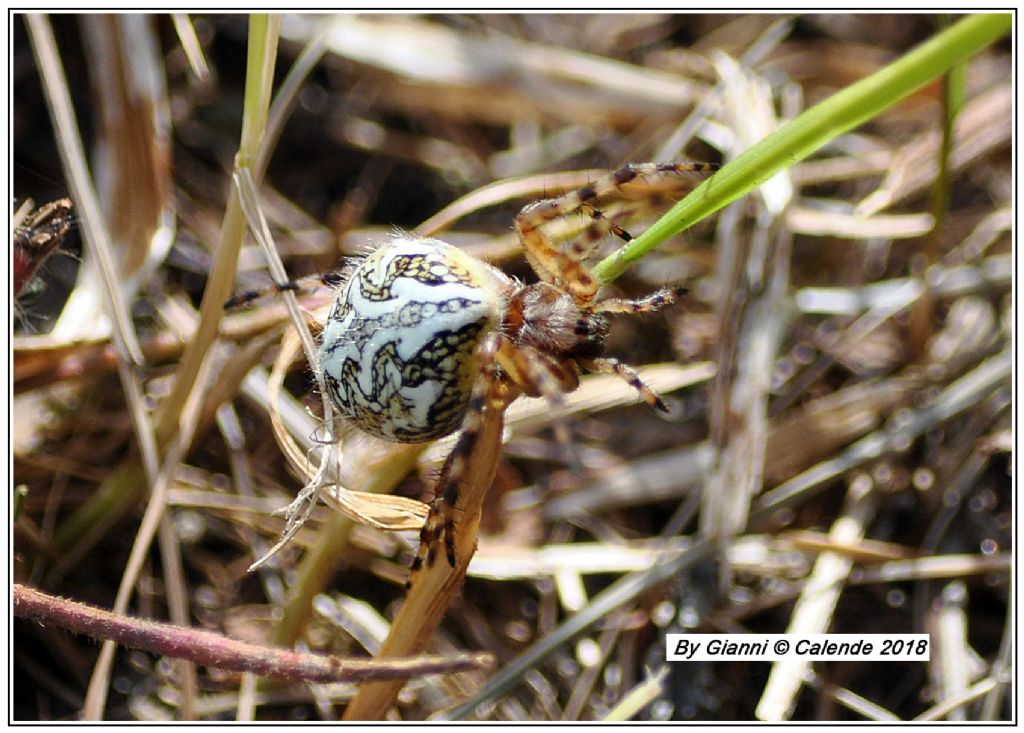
x: 537, y: 375
x: 541, y: 376
x: 601, y: 226
x: 440, y: 525
x: 628, y: 375
x: 550, y: 209
x: 550, y: 262
x: 302, y: 285
x: 605, y: 222
x: 647, y: 304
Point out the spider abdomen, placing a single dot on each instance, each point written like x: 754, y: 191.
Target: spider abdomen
x: 398, y: 351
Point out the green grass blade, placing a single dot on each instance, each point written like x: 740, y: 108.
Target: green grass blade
x: 806, y: 133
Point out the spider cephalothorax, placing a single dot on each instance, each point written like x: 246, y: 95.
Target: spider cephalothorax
x: 421, y: 331
x: 544, y: 317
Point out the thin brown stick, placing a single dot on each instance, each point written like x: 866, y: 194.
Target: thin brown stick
x: 214, y: 650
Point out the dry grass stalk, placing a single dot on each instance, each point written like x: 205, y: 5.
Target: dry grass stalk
x: 817, y: 603
x: 435, y: 585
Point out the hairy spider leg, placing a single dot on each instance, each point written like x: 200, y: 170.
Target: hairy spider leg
x: 440, y: 523
x: 299, y: 286
x: 550, y: 209
x: 538, y: 375
x: 551, y: 264
x: 534, y: 372
x: 602, y: 225
x: 608, y: 365
x: 549, y: 261
x: 606, y: 220
x: 648, y: 304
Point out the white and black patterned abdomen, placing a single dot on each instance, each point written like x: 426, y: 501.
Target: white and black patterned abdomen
x: 398, y: 348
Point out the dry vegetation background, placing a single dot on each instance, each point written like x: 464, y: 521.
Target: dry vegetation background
x: 857, y: 308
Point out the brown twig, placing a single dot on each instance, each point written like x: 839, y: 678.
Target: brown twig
x: 214, y: 650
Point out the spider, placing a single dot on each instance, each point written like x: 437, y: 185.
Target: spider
x: 421, y: 330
